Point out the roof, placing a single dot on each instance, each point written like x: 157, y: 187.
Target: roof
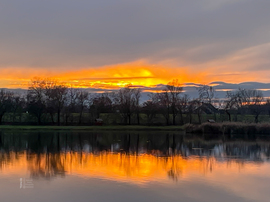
x: 208, y: 108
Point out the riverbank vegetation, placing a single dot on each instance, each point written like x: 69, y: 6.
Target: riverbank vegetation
x: 229, y: 128
x: 94, y: 128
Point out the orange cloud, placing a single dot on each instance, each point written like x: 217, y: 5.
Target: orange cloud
x: 138, y: 73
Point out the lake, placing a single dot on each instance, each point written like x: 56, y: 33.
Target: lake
x: 137, y: 166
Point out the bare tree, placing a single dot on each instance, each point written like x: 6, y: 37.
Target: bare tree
x: 36, y: 98
x: 206, y: 93
x: 174, y: 89
x: 182, y: 107
x: 267, y: 106
x: 230, y: 103
x: 100, y: 103
x: 151, y: 107
x: 233, y: 103
x: 197, y: 104
x: 206, y: 96
x: 82, y: 97
x: 191, y: 108
x: 253, y: 100
x: 125, y: 102
x: 19, y: 105
x: 244, y: 100
x: 57, y: 92
x: 70, y: 104
x: 165, y: 105
x: 5, y: 102
x: 137, y: 96
x: 169, y: 99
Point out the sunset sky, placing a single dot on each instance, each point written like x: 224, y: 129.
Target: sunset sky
x: 108, y: 44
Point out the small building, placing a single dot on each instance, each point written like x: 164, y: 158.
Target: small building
x: 208, y: 108
x: 98, y: 122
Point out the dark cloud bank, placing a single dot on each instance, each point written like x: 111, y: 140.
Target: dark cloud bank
x: 190, y: 89
x: 83, y: 33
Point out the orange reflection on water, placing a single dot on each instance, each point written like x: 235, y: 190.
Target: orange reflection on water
x: 134, y: 169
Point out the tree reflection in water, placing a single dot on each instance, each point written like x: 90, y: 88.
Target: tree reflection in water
x: 134, y: 156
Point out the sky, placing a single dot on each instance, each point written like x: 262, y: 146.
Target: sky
x: 111, y: 43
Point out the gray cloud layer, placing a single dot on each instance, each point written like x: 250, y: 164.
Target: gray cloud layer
x: 191, y: 89
x: 83, y: 33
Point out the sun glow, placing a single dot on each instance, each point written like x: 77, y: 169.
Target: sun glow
x: 116, y: 76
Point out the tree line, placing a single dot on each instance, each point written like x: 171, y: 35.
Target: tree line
x: 63, y: 105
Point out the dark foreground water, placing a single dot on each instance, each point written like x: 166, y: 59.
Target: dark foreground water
x: 159, y: 167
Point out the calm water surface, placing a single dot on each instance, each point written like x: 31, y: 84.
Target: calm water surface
x: 80, y: 167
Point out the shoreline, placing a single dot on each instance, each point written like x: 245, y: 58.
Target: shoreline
x: 205, y: 128
x: 229, y: 128
x: 95, y: 128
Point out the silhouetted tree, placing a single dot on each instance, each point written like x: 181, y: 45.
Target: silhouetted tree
x: 70, y: 104
x: 169, y: 100
x: 19, y: 106
x: 206, y: 93
x: 82, y: 99
x: 36, y: 98
x: 5, y: 102
x: 151, y: 107
x: 165, y: 105
x: 137, y: 96
x: 253, y: 101
x: 100, y: 103
x: 267, y: 106
x: 57, y: 93
x: 182, y: 107
x: 125, y: 102
x: 244, y: 100
x: 174, y: 89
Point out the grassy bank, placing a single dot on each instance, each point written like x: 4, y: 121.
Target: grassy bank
x: 95, y: 128
x: 229, y: 128
x: 205, y: 128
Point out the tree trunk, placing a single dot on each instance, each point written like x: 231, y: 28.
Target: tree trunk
x: 235, y: 117
x: 148, y: 119
x: 1, y: 117
x: 39, y: 119
x: 66, y: 117
x: 199, y: 117
x: 129, y: 119
x: 167, y: 120
x: 138, y: 118
x: 229, y: 115
x: 51, y: 114
x: 181, y: 118
x: 256, y: 118
x: 71, y: 118
x: 80, y: 118
x: 14, y: 116
x: 58, y: 117
x: 174, y: 119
